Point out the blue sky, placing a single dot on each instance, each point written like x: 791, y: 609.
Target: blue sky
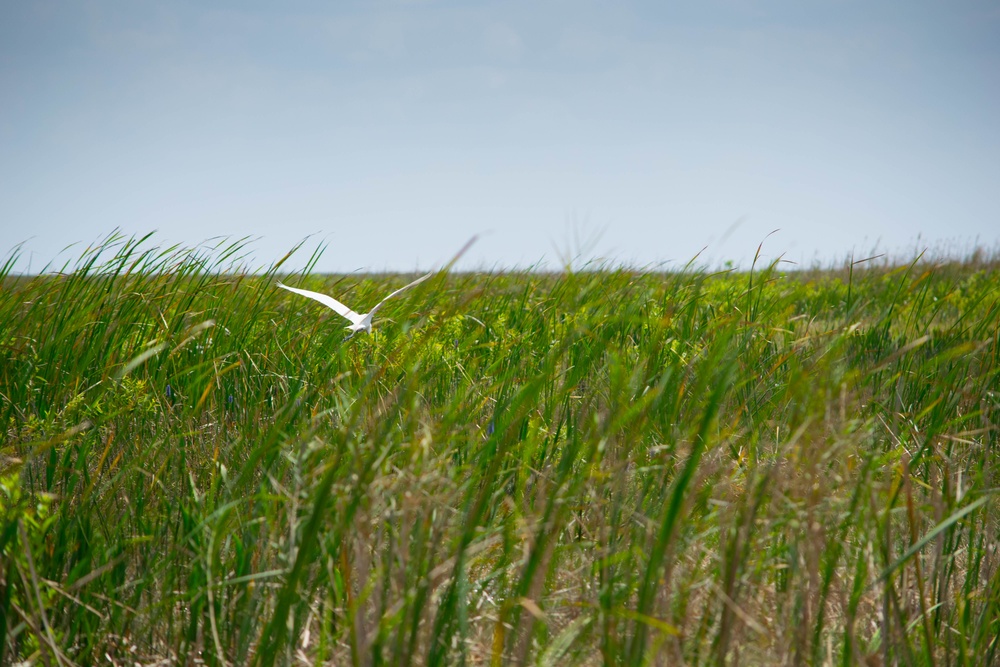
x: 394, y: 131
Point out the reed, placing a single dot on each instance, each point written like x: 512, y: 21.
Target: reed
x: 607, y: 467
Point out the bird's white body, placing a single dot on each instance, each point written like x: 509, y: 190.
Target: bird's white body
x: 358, y: 321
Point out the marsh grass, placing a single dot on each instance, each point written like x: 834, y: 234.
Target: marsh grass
x: 603, y: 467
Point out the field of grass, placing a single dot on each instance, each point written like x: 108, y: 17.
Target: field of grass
x: 595, y: 468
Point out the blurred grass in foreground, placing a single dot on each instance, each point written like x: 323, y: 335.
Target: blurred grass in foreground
x: 605, y: 467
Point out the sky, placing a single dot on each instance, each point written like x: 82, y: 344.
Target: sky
x: 643, y: 133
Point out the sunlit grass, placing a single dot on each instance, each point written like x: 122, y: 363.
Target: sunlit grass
x: 604, y: 467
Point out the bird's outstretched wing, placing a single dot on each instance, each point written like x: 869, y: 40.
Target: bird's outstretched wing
x: 328, y: 301
x: 401, y: 289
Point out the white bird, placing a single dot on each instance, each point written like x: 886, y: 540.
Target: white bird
x: 359, y: 321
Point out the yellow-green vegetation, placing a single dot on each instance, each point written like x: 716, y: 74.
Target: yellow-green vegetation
x: 599, y: 468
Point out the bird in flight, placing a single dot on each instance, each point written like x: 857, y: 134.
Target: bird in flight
x: 359, y: 321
